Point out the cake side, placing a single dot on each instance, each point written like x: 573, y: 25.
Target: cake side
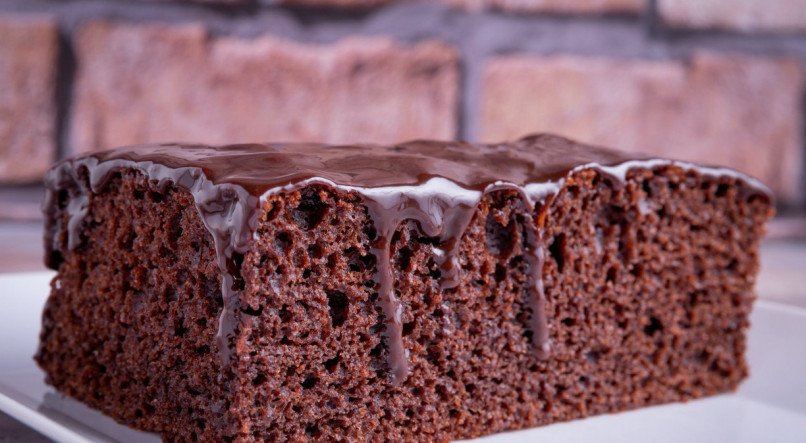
x: 130, y: 325
x: 663, y: 268
x: 315, y: 355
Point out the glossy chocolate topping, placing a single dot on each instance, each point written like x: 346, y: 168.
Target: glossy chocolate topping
x: 437, y: 184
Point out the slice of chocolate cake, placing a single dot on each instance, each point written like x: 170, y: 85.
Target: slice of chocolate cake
x: 424, y: 291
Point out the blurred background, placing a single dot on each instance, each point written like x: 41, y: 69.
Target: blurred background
x: 715, y: 81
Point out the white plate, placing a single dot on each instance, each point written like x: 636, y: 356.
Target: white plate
x: 770, y: 406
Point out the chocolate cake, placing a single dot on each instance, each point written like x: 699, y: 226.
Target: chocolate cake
x: 423, y: 291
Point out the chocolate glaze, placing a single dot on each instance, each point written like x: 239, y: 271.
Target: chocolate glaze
x: 436, y: 184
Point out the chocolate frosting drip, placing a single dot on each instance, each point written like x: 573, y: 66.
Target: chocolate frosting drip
x: 440, y: 214
x: 436, y: 184
x: 537, y: 295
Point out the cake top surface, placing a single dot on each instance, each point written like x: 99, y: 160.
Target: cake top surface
x: 261, y: 167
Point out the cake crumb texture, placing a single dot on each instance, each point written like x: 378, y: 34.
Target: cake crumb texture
x: 648, y: 285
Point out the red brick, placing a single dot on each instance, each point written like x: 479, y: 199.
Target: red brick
x: 347, y: 4
x: 207, y: 2
x: 140, y: 83
x: 746, y: 15
x: 554, y: 6
x: 730, y: 110
x: 28, y: 55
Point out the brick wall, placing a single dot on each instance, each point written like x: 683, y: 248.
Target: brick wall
x: 148, y: 83
x: 28, y: 59
x: 716, y: 81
